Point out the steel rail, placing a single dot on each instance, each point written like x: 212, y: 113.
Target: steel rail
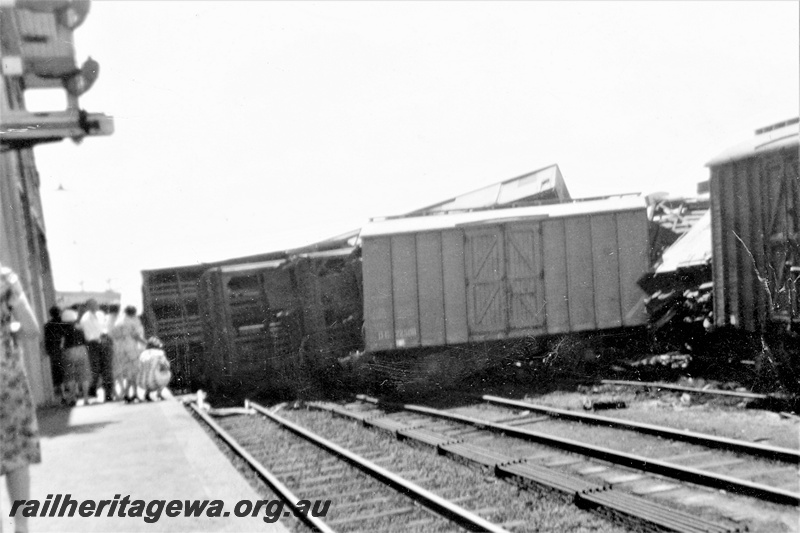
x: 445, y: 508
x: 681, y: 388
x: 645, y: 464
x: 711, y: 441
x: 283, y: 492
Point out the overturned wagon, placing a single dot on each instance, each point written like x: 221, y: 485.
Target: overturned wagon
x: 329, y: 288
x: 268, y: 324
x: 171, y: 312
x: 506, y: 273
x: 251, y: 317
x: 755, y: 221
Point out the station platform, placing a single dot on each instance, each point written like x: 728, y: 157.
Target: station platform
x: 147, y: 451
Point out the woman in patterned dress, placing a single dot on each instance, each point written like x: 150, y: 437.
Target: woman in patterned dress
x: 19, y: 435
x: 128, y: 337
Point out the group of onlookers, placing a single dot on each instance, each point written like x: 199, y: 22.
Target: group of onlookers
x: 96, y: 352
x: 88, y: 348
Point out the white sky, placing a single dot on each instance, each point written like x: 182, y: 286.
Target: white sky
x: 245, y: 127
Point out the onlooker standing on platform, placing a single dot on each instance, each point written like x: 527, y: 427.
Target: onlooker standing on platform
x: 94, y: 326
x: 112, y: 316
x: 19, y: 434
x: 54, y: 331
x: 77, y: 373
x: 111, y: 313
x: 129, y: 342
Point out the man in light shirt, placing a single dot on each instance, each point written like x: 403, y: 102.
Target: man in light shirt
x: 95, y: 329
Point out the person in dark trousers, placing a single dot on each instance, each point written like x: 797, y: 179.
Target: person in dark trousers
x: 54, y: 331
x: 77, y: 373
x: 94, y: 326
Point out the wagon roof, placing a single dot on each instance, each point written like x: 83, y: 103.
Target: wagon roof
x: 251, y: 266
x: 769, y: 139
x: 516, y: 214
x: 692, y: 248
x: 199, y: 268
x: 339, y: 252
x: 543, y: 184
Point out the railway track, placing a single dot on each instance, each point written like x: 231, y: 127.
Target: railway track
x: 282, y: 491
x: 593, y: 483
x: 651, y: 464
x: 680, y: 388
x: 365, y: 496
x: 703, y: 439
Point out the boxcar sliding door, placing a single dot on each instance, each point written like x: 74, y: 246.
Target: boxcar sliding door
x: 485, y: 277
x: 524, y: 273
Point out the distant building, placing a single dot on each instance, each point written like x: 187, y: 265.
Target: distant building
x: 70, y: 298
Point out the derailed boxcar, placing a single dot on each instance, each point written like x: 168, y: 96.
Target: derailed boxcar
x: 251, y: 326
x: 755, y: 220
x: 505, y: 273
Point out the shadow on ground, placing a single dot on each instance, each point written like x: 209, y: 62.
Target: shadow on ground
x: 55, y: 422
